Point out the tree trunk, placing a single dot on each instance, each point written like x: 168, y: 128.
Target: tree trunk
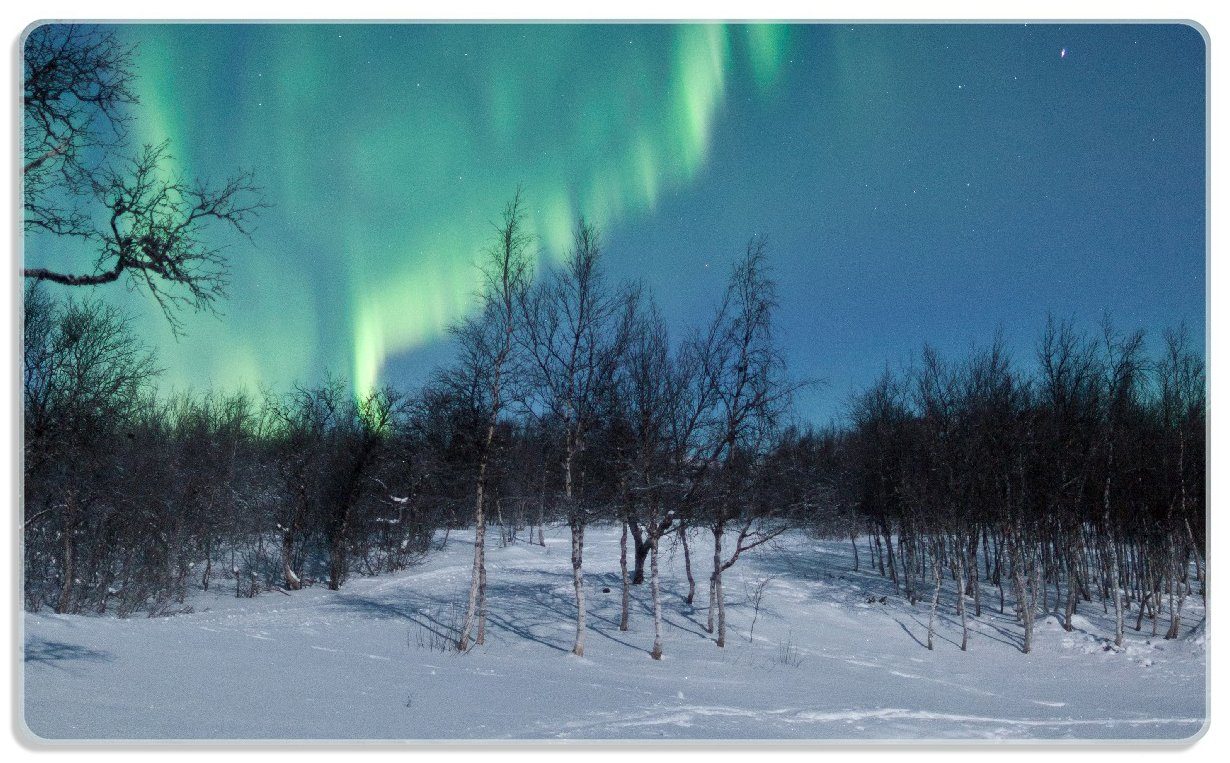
x: 481, y: 636
x: 293, y: 582
x: 542, y: 502
x: 1113, y: 583
x: 717, y: 566
x: 623, y: 576
x: 1176, y: 610
x: 640, y: 550
x: 655, y: 593
x: 480, y: 537
x: 65, y: 603
x: 717, y: 603
x: 892, y: 564
x: 209, y: 558
x: 935, y: 598
x: 1016, y: 561
x: 961, y: 596
x: 337, y: 558
x: 975, y: 583
x: 578, y: 582
x: 687, y: 563
x: 1070, y: 609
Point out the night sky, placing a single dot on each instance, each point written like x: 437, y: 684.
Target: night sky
x: 920, y: 183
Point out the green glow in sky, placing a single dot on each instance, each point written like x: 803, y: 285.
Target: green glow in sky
x: 388, y: 150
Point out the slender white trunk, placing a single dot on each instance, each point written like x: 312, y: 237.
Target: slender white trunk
x: 1113, y: 573
x: 578, y: 584
x: 478, y: 572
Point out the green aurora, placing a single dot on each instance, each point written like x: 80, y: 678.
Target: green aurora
x: 386, y: 150
x: 916, y: 183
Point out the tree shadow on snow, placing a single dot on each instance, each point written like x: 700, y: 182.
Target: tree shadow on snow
x: 525, y: 610
x: 54, y: 652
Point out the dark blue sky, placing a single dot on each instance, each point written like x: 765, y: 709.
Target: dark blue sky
x: 932, y: 183
x: 917, y: 183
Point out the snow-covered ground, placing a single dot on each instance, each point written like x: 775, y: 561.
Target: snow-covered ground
x: 823, y: 662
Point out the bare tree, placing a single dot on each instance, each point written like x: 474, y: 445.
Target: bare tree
x: 84, y: 371
x: 145, y: 222
x: 648, y: 395
x: 78, y: 88
x: 574, y: 332
x: 744, y: 395
x: 486, y: 342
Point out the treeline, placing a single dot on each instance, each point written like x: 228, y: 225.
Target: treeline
x: 569, y: 402
x: 131, y: 498
x: 1083, y: 478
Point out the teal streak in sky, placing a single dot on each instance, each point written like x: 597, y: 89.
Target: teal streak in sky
x: 387, y: 150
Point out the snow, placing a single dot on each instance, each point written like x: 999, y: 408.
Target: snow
x: 827, y: 661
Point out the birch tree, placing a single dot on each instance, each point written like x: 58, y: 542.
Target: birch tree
x: 740, y: 370
x: 487, y: 367
x: 573, y: 334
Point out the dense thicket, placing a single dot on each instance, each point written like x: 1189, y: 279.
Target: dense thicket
x: 1074, y: 478
x: 131, y: 498
x: 1081, y: 478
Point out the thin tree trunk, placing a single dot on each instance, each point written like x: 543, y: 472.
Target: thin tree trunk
x: 892, y: 565
x: 480, y: 536
x: 961, y: 595
x: 209, y: 558
x: 1113, y: 582
x: 718, y: 598
x: 713, y: 577
x: 623, y: 576
x: 1070, y: 609
x: 65, y: 603
x: 542, y: 502
x: 1016, y: 560
x: 975, y: 583
x: 1176, y: 610
x: 481, y: 636
x: 578, y: 583
x: 935, y: 599
x: 655, y: 593
x: 293, y: 582
x: 687, y: 563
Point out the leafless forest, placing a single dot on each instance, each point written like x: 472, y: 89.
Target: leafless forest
x: 1071, y: 476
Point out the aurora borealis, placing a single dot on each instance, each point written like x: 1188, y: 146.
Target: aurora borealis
x: 916, y: 183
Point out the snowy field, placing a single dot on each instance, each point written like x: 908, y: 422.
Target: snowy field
x: 822, y: 663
